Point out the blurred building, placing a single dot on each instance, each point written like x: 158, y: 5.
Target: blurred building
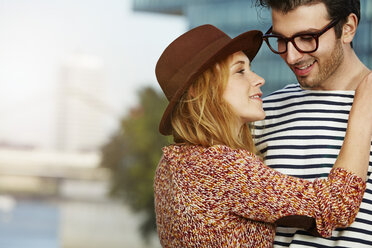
x: 81, y: 112
x: 237, y: 16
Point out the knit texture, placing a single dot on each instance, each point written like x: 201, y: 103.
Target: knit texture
x: 222, y: 197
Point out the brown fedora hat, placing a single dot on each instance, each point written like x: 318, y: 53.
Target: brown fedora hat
x: 190, y: 55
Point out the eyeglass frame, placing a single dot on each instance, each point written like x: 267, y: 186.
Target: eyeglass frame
x: 315, y: 35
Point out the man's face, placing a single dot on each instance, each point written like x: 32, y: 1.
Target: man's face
x: 313, y: 70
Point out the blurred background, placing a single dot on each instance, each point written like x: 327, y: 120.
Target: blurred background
x: 80, y: 107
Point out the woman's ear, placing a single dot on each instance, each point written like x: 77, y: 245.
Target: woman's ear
x: 349, y: 28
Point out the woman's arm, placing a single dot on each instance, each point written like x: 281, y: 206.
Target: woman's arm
x: 263, y: 194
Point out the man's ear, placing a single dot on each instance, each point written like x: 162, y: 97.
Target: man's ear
x: 349, y: 28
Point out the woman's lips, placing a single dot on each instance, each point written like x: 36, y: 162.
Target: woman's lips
x: 256, y: 97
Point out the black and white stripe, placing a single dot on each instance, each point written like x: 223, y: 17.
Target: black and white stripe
x: 301, y: 136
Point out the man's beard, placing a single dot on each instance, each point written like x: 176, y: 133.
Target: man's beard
x: 326, y: 69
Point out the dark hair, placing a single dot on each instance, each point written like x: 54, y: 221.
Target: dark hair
x: 337, y: 9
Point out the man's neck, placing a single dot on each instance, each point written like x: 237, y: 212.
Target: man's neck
x: 349, y: 74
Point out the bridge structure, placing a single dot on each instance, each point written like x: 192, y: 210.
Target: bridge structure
x: 52, y: 174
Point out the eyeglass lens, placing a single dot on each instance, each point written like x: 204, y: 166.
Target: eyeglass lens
x: 305, y: 43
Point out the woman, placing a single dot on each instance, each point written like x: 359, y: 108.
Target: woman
x: 211, y: 189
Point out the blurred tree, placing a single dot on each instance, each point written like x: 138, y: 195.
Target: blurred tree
x: 133, y: 153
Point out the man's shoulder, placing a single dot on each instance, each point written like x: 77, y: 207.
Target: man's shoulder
x: 294, y: 93
x: 286, y: 91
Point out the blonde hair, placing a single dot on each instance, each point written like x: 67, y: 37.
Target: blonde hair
x: 203, y: 117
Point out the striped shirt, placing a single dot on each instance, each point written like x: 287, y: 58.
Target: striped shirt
x: 301, y: 136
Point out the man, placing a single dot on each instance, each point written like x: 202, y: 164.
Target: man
x: 306, y: 122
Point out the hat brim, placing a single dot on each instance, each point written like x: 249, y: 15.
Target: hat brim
x: 248, y: 42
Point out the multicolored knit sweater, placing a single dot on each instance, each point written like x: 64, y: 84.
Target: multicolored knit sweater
x: 222, y: 197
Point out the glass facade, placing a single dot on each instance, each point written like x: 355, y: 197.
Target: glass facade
x: 237, y: 16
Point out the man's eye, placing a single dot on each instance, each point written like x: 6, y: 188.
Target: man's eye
x: 306, y: 38
x: 241, y: 71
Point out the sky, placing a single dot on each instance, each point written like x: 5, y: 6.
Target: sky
x: 38, y: 36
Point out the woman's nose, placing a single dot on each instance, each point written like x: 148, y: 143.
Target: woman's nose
x: 259, y: 81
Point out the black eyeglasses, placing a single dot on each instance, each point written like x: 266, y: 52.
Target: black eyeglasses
x: 304, y: 43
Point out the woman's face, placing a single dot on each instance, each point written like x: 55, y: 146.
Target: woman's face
x: 242, y: 91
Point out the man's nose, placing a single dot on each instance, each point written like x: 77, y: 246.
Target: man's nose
x: 292, y: 56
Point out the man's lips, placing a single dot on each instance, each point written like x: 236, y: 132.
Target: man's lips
x: 304, y: 69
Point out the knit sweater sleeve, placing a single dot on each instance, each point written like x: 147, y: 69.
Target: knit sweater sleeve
x: 257, y: 192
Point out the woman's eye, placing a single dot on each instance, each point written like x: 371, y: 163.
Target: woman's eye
x: 241, y: 71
